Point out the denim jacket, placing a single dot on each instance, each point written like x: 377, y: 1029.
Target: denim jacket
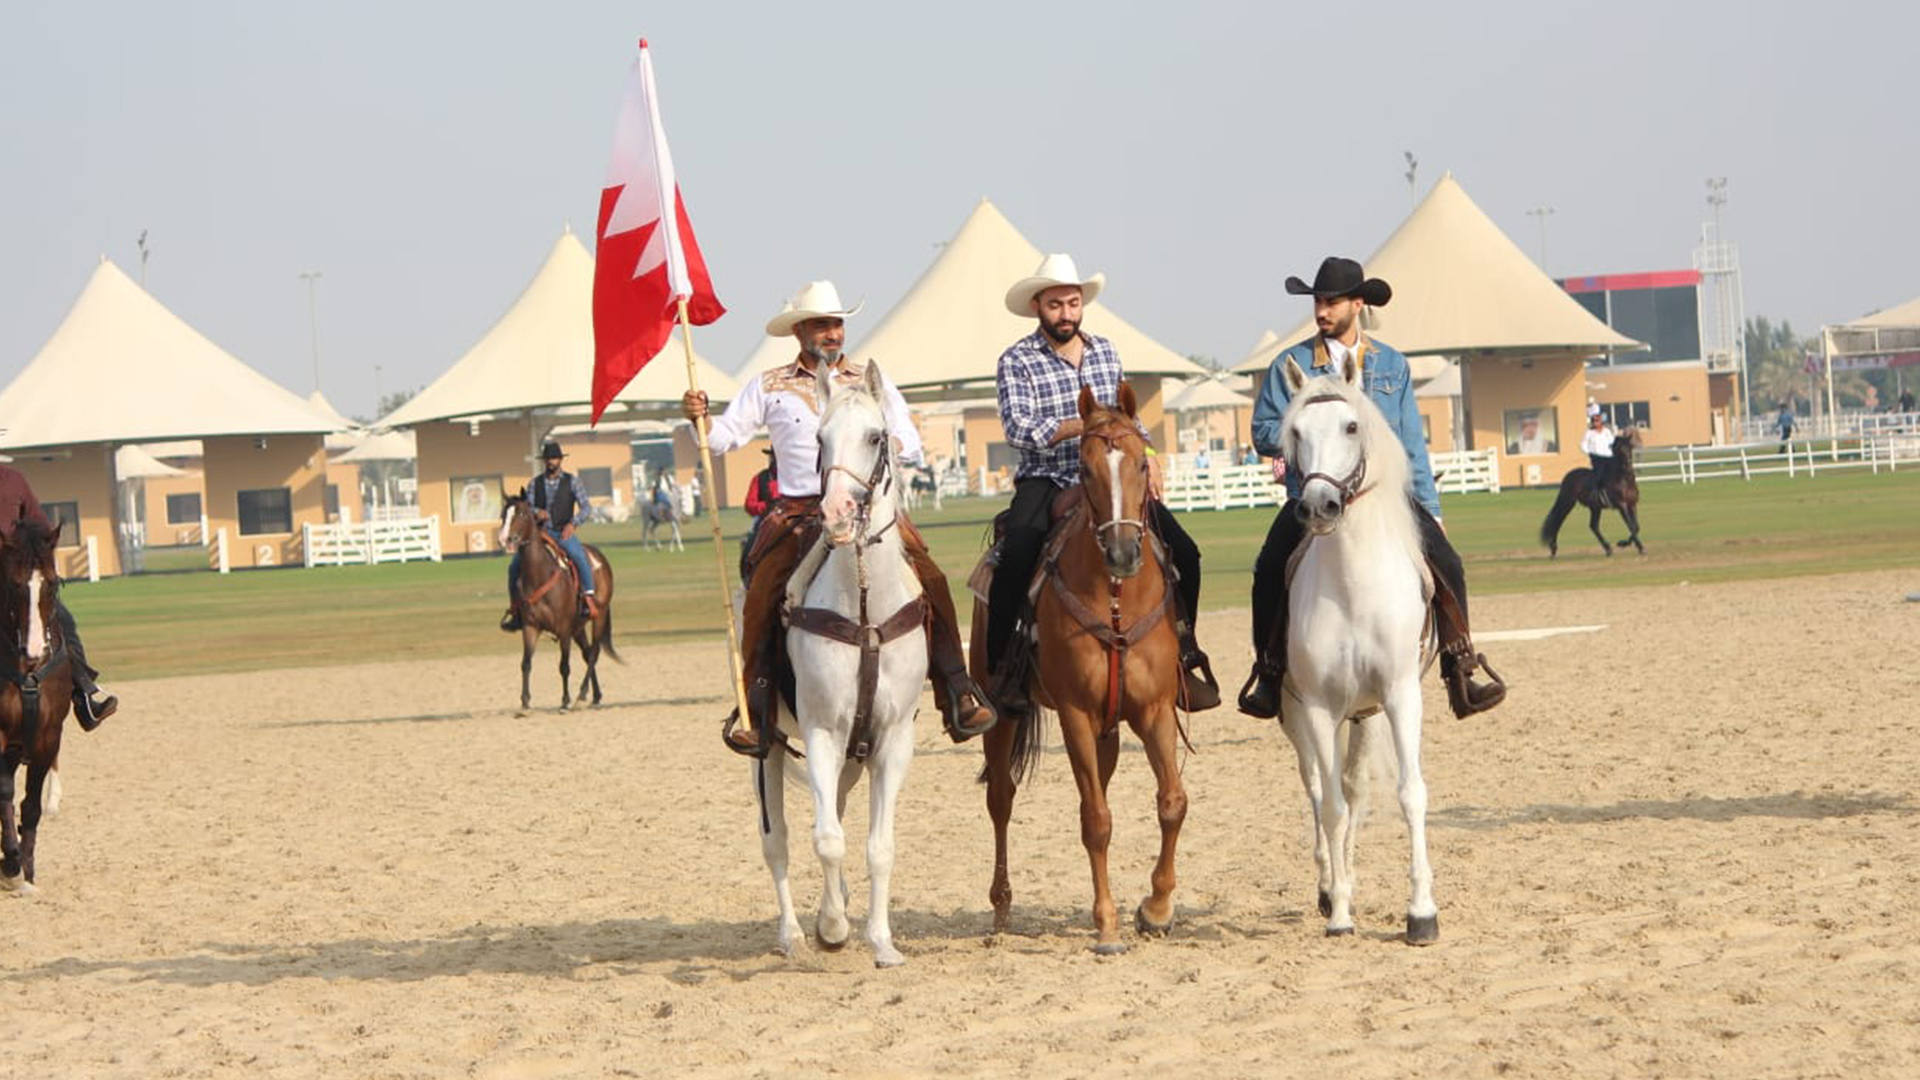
x: 1388, y: 380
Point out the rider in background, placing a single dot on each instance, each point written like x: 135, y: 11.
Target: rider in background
x: 559, y: 503
x: 17, y: 503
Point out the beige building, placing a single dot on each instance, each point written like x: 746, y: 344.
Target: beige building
x: 1674, y: 403
x: 150, y: 377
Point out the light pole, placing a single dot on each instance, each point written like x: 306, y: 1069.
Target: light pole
x: 312, y: 278
x: 1540, y: 214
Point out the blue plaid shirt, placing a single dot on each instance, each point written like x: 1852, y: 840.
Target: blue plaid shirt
x: 1039, y: 391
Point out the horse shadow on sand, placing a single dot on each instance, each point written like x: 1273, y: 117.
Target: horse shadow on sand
x: 1799, y: 805
x: 477, y: 714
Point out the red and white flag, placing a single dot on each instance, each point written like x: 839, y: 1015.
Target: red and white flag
x: 647, y: 260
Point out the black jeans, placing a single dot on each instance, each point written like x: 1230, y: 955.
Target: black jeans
x: 1028, y: 520
x: 1270, y: 573
x: 83, y: 673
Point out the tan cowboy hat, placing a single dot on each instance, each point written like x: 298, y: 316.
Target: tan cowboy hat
x: 1054, y: 270
x: 819, y: 300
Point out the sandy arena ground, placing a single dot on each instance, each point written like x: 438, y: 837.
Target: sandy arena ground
x: 1687, y: 846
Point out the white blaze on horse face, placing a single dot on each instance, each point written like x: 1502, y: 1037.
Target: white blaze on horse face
x: 1114, y: 460
x: 36, y: 629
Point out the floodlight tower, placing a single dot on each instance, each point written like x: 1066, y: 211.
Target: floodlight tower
x: 1723, y: 343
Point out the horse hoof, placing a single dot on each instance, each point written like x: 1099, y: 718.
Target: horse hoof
x: 1110, y: 948
x: 1326, y: 905
x: 1339, y: 931
x: 1423, y: 929
x: 19, y: 886
x: 890, y: 958
x: 1147, y: 927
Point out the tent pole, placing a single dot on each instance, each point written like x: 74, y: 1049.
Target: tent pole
x: 712, y: 493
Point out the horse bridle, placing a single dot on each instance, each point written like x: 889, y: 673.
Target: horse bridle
x: 881, y: 477
x: 1100, y: 529
x: 1350, y: 487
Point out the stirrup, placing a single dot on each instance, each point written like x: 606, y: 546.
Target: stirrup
x: 88, y: 712
x: 758, y: 751
x: 1465, y: 697
x: 950, y: 716
x: 1198, y: 692
x: 1256, y: 708
x: 512, y: 620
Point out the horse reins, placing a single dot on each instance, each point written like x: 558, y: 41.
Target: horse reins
x: 865, y: 634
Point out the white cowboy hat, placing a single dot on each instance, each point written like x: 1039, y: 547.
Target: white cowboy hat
x: 1054, y: 270
x: 819, y: 300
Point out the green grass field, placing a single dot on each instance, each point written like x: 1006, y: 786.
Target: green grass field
x: 189, y: 621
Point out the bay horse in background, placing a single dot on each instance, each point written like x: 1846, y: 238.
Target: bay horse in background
x: 1107, y: 651
x: 856, y: 638
x: 1359, y: 614
x: 1583, y: 487
x: 551, y: 601
x: 37, y: 694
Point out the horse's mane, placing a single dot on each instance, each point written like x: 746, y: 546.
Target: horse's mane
x: 1388, y: 471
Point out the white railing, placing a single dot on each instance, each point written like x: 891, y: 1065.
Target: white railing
x: 1801, y: 457
x: 1848, y: 423
x: 1227, y: 487
x: 372, y: 542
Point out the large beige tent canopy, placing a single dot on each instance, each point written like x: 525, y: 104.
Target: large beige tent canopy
x: 1461, y: 287
x: 539, y: 355
x: 952, y: 326
x: 1883, y: 333
x: 121, y: 368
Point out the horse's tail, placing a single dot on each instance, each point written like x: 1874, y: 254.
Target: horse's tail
x: 1562, y: 506
x: 1025, y: 755
x: 606, y: 637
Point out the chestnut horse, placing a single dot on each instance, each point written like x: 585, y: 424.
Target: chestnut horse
x: 1107, y: 652
x: 550, y: 602
x: 37, y: 693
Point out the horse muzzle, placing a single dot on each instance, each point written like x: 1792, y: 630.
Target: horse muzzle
x: 1123, y: 552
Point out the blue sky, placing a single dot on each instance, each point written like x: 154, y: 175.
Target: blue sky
x: 424, y: 156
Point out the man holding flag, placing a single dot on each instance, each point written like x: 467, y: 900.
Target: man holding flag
x: 784, y: 401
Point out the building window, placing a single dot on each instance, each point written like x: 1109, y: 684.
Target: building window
x: 266, y: 510
x: 66, y: 515
x: 475, y: 498
x: 1626, y: 414
x: 1533, y: 431
x: 597, y: 482
x: 183, y: 509
x: 330, y: 502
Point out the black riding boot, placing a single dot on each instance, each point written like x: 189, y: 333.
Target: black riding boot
x: 1260, y: 697
x: 1458, y: 660
x: 88, y: 707
x: 1199, y: 690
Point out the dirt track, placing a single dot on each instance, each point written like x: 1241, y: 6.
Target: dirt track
x: 1707, y: 866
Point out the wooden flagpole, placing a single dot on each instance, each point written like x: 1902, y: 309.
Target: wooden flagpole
x: 713, y: 518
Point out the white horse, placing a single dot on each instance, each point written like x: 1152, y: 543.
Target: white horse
x: 855, y: 585
x: 1358, y: 620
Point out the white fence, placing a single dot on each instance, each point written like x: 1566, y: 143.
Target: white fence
x: 1228, y: 487
x: 1887, y: 449
x: 372, y: 542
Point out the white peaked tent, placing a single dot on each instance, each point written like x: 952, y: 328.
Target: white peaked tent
x: 539, y: 355
x: 121, y: 368
x: 1462, y: 287
x: 325, y: 408
x: 952, y: 326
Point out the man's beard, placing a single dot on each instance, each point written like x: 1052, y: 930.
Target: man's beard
x: 823, y: 354
x: 1062, y: 331
x: 1339, y: 330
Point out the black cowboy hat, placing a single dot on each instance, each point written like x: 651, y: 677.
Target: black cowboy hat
x: 550, y: 450
x: 1340, y: 277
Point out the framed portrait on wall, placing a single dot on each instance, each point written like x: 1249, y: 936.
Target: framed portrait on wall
x: 1533, y: 431
x: 474, y: 498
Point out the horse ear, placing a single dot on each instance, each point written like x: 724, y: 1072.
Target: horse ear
x: 872, y: 379
x: 823, y: 379
x: 1350, y: 368
x: 1295, y: 376
x: 53, y: 538
x: 1127, y: 403
x: 1088, y: 402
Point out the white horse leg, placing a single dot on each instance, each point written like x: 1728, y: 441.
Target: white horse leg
x: 771, y: 774
x: 1294, y: 725
x: 1423, y: 916
x: 50, y: 802
x: 889, y: 764
x: 1322, y: 732
x: 825, y: 761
